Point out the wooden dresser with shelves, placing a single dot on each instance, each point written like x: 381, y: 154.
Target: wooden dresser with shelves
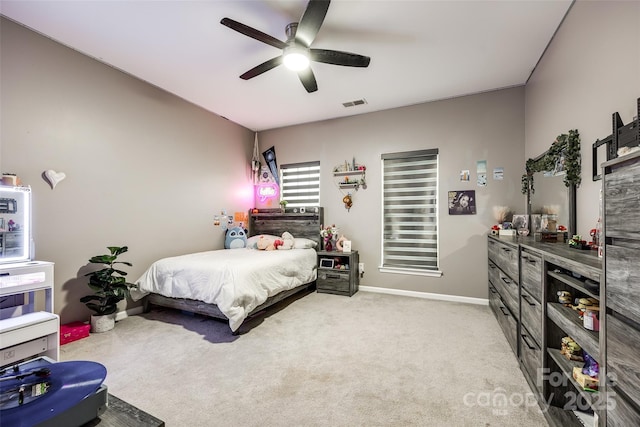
x: 524, y: 278
x: 621, y: 204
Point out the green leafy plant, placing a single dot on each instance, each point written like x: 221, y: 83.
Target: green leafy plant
x: 566, y: 146
x: 108, y: 283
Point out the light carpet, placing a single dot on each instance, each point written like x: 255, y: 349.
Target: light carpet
x: 319, y: 360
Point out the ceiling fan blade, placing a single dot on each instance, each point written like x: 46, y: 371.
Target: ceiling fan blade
x: 265, y: 66
x: 337, y: 57
x: 311, y: 21
x: 253, y: 33
x: 308, y: 80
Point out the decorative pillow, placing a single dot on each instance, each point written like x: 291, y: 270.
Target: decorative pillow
x: 302, y: 243
x: 236, y: 237
x: 252, y: 242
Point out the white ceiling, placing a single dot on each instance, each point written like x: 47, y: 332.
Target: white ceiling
x: 420, y: 50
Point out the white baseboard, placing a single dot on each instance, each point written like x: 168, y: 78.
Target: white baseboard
x: 130, y: 312
x: 425, y: 295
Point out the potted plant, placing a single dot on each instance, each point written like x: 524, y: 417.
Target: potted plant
x: 283, y: 205
x: 110, y: 287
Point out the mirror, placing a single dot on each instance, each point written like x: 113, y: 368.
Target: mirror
x: 551, y: 195
x: 551, y: 179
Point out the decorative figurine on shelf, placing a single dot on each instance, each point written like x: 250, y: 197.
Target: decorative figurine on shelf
x: 565, y: 297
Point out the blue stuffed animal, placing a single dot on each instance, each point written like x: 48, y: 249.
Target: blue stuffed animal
x: 236, y: 237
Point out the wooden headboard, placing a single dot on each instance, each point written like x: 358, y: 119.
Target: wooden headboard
x: 275, y: 222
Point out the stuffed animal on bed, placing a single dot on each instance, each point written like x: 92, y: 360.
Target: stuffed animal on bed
x: 287, y: 241
x: 236, y: 237
x: 270, y: 244
x: 265, y: 244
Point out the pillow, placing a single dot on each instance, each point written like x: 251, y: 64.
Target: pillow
x: 252, y: 242
x: 302, y: 243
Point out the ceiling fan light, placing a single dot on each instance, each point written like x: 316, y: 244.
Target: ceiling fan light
x: 296, y: 59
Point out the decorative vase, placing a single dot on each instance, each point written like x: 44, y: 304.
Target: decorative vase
x: 102, y: 323
x: 328, y: 246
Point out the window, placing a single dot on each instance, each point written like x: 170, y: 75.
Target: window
x: 410, y: 212
x: 300, y: 184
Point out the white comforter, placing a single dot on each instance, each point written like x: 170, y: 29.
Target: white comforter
x: 236, y: 280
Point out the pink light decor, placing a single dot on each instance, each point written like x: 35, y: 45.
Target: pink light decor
x: 267, y: 190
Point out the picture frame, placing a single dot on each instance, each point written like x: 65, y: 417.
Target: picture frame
x: 536, y: 223
x: 520, y: 221
x: 326, y: 263
x: 462, y: 202
x: 346, y: 246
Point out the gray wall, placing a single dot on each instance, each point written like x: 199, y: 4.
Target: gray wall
x: 487, y: 126
x: 590, y: 70
x: 144, y: 168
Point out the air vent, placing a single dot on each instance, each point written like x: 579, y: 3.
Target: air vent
x: 354, y: 103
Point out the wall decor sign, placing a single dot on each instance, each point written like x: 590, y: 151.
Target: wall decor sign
x: 498, y: 174
x: 481, y: 170
x: 462, y: 202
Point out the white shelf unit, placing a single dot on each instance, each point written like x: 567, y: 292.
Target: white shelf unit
x: 24, y: 332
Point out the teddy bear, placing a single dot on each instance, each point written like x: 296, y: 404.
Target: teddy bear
x: 286, y: 242
x: 265, y: 244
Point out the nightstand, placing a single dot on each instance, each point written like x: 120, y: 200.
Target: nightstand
x: 338, y: 273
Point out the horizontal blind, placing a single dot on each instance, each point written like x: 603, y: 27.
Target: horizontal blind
x: 300, y: 184
x: 410, y: 210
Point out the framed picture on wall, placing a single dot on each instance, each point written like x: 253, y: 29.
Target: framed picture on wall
x: 462, y: 202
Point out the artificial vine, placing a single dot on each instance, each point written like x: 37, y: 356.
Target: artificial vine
x: 566, y: 150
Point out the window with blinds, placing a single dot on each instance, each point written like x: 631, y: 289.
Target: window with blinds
x: 300, y: 184
x: 410, y: 211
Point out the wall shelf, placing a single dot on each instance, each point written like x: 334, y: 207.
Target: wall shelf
x: 347, y: 173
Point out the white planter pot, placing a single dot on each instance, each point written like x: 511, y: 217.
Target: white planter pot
x: 103, y: 323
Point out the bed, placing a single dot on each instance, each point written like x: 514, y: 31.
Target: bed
x: 235, y: 284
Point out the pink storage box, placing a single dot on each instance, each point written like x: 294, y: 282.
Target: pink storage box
x: 73, y: 331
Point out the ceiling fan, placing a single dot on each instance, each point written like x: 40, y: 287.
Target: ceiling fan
x: 297, y: 51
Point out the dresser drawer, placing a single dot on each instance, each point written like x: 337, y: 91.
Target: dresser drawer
x: 508, y: 290
x: 506, y: 320
x: 531, y: 355
x: 622, y: 194
x: 505, y: 257
x: 494, y: 273
x: 531, y: 274
x: 623, y: 281
x: 333, y: 282
x: 621, y: 413
x: 531, y: 315
x: 623, y: 362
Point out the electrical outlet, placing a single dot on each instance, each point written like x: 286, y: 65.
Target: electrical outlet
x: 361, y: 266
